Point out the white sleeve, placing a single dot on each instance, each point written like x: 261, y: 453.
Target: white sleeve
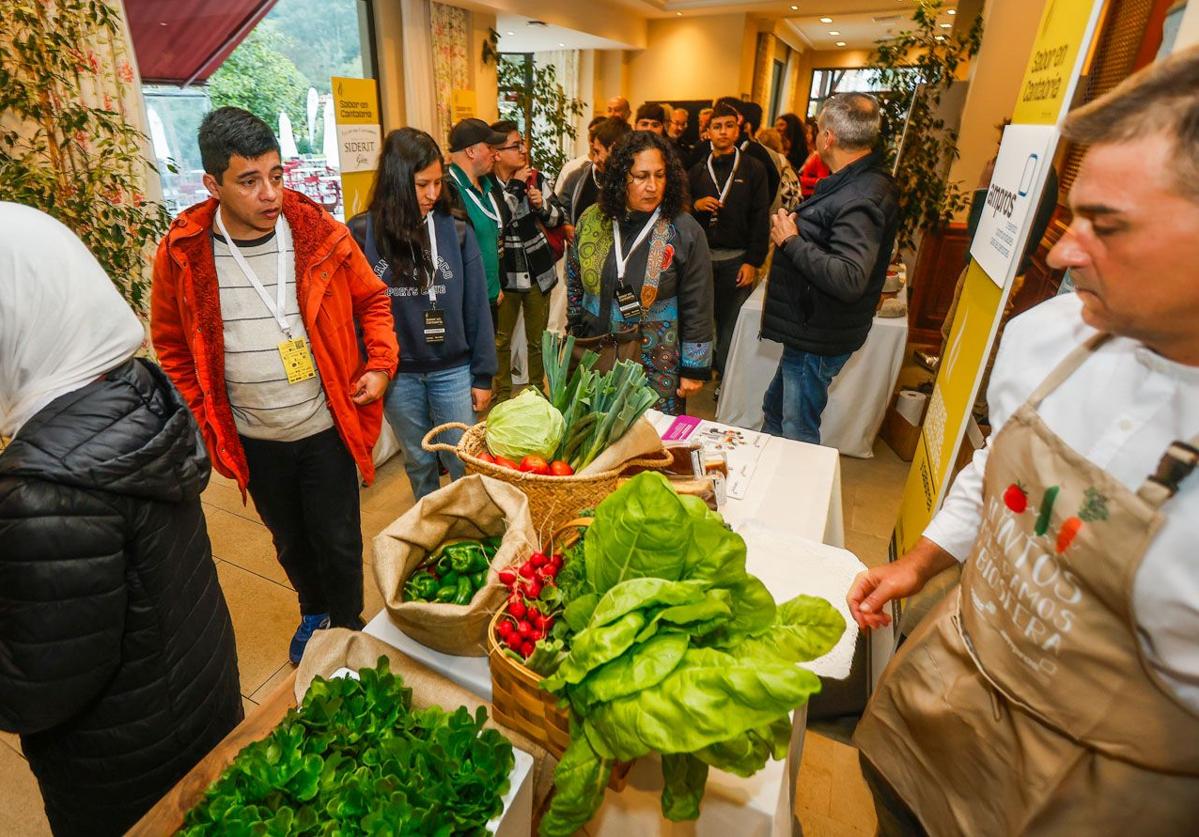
x: 956, y: 525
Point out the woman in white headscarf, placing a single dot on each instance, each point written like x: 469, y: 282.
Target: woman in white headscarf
x: 117, y: 661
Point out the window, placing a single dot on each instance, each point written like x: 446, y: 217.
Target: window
x: 515, y: 77
x: 281, y: 73
x: 826, y: 82
x: 776, y: 90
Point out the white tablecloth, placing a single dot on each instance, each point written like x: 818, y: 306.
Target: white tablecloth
x: 795, y: 492
x: 858, y: 396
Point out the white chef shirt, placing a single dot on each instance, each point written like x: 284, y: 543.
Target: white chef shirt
x: 1120, y: 410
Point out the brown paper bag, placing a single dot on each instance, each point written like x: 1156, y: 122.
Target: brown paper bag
x: 641, y: 439
x: 336, y: 648
x: 471, y: 507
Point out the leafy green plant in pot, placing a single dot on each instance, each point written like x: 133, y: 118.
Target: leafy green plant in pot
x: 79, y: 161
x: 917, y: 67
x: 534, y: 98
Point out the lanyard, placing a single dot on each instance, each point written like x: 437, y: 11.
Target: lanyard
x: 278, y: 308
x: 494, y: 215
x: 622, y: 260
x: 433, y: 253
x: 728, y: 184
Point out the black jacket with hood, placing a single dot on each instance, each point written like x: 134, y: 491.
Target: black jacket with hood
x: 825, y: 282
x: 117, y: 659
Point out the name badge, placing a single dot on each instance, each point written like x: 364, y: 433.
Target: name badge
x: 434, y: 327
x: 297, y: 360
x: 628, y: 303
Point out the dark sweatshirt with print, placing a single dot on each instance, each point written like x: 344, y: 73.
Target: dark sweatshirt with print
x: 460, y: 287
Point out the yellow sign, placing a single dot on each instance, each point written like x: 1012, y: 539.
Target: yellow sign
x: 462, y: 105
x: 1053, y: 69
x: 1045, y: 94
x: 359, y: 139
x: 949, y: 407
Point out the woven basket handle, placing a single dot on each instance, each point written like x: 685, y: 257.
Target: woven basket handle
x: 428, y: 444
x: 660, y: 461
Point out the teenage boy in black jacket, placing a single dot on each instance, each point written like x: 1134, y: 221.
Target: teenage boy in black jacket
x: 732, y: 204
x: 749, y: 116
x: 828, y: 268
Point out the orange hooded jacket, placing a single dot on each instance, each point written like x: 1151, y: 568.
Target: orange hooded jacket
x: 336, y: 290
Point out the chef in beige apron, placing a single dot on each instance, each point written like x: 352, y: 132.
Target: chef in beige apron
x: 1016, y: 712
x: 1025, y: 703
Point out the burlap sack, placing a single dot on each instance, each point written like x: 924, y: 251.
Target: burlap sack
x: 471, y: 507
x: 336, y: 648
x: 641, y: 439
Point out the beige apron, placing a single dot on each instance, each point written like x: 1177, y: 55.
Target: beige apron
x: 1022, y: 704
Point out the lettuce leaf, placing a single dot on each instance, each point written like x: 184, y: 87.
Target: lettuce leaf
x: 684, y: 777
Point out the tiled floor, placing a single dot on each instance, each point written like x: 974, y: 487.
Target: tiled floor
x: 831, y: 800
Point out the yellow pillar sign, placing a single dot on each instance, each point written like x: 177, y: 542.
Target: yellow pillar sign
x: 359, y: 139
x: 1045, y: 95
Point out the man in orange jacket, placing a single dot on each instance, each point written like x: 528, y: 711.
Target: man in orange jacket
x: 258, y: 304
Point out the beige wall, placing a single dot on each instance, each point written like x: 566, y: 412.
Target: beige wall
x: 483, y: 76
x: 1009, y: 30
x: 693, y: 58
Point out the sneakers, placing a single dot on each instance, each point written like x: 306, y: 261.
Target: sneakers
x: 308, y: 626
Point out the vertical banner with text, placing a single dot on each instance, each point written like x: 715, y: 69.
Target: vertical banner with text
x: 359, y: 139
x: 1021, y: 170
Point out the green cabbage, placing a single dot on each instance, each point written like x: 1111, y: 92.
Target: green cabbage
x: 526, y: 424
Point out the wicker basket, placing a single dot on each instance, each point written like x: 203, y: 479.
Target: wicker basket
x: 518, y: 701
x: 552, y: 500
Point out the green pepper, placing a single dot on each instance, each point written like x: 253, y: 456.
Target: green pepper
x: 466, y: 591
x: 461, y: 559
x: 479, y: 579
x: 1042, y: 524
x: 479, y: 562
x: 421, y: 585
x: 450, y: 579
x: 447, y: 593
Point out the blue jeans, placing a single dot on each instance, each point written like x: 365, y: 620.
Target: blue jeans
x: 415, y: 403
x: 797, y: 394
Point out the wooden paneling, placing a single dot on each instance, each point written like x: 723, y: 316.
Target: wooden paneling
x: 940, y: 260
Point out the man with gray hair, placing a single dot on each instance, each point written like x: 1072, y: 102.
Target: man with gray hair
x: 829, y: 266
x: 1056, y: 689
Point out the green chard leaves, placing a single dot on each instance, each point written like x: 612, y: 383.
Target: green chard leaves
x: 676, y: 650
x: 356, y: 758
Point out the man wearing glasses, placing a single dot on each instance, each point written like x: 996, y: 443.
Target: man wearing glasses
x: 527, y: 272
x: 472, y: 159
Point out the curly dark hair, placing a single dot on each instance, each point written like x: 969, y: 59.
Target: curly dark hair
x: 613, y: 195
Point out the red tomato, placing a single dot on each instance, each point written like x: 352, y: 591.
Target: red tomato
x: 561, y: 469
x: 535, y: 465
x: 1016, y: 498
x: 487, y: 457
x: 505, y: 463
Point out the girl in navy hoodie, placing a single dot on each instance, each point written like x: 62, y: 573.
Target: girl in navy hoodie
x: 430, y: 261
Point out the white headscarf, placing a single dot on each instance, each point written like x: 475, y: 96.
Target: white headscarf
x: 62, y: 322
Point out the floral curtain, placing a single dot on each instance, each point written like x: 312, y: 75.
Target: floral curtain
x: 450, y: 27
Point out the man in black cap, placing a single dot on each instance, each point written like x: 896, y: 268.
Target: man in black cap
x: 472, y: 160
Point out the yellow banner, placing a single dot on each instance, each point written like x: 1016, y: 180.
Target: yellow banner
x: 949, y: 407
x: 1045, y: 95
x: 359, y: 139
x: 1053, y: 68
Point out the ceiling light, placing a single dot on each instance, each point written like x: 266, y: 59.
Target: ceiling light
x: 561, y: 44
x: 511, y: 33
x: 952, y: 12
x: 823, y: 19
x: 940, y: 37
x: 946, y: 25
x: 678, y: 14
x: 794, y: 7
x: 834, y: 33
x: 840, y: 43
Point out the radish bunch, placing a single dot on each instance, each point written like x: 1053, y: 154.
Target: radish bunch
x: 527, y: 616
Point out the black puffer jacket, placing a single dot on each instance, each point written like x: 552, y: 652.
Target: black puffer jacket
x: 825, y: 282
x: 117, y: 661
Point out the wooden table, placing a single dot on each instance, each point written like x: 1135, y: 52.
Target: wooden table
x: 166, y: 817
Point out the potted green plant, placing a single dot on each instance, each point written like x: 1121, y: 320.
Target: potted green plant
x: 65, y: 146
x: 916, y: 68
x: 531, y: 96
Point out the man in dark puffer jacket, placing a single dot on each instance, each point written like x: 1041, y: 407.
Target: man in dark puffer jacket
x: 829, y: 267
x: 117, y: 659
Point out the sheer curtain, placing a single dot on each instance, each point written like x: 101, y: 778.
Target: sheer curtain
x: 450, y: 28
x: 566, y: 64
x: 420, y: 90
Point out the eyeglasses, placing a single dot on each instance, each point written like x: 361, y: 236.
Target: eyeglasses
x: 516, y: 146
